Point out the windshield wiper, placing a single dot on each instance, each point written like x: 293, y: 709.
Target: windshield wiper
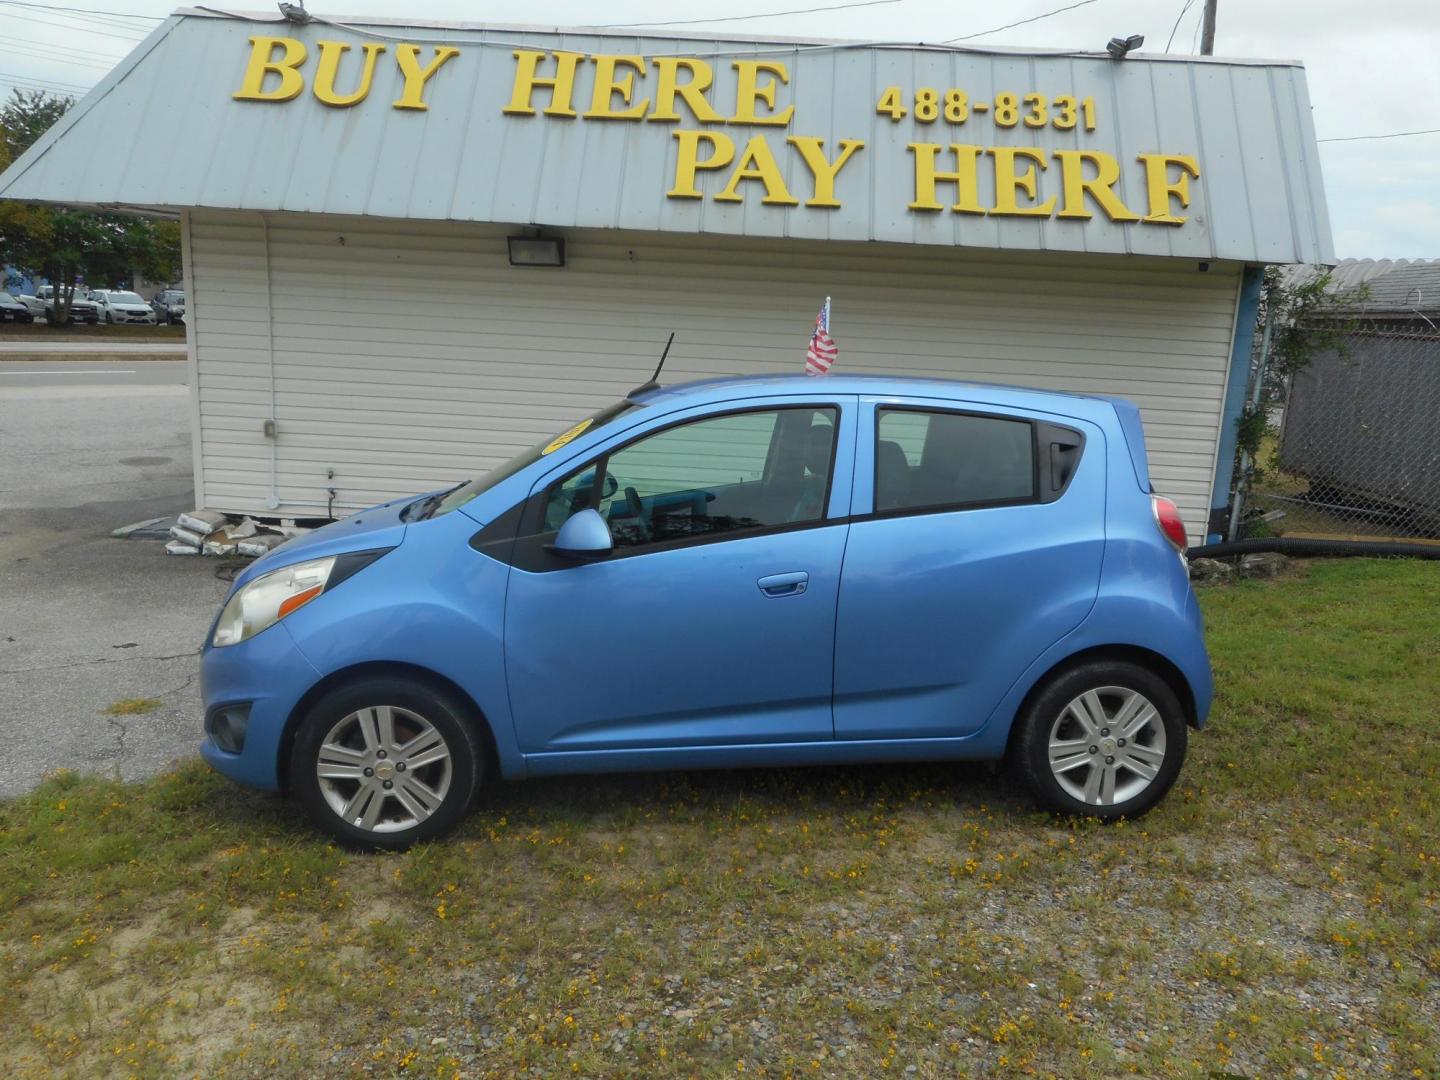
x: 422, y: 509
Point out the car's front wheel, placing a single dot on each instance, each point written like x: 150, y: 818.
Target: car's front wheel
x: 386, y: 763
x: 1104, y: 739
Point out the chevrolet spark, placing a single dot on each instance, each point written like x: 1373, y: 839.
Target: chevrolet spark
x: 738, y: 572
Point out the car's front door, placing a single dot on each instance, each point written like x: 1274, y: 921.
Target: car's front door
x: 976, y: 545
x: 712, y: 622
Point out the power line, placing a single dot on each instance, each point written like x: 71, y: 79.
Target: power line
x: 1171, y: 39
x: 23, y: 83
x: 1021, y: 22
x: 81, y: 11
x: 742, y: 18
x: 1390, y: 135
x: 106, y: 30
x: 33, y: 53
x: 66, y: 52
x: 40, y: 79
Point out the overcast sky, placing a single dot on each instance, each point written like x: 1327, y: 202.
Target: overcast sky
x: 1374, y: 67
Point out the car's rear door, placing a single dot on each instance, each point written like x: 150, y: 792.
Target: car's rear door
x: 976, y: 543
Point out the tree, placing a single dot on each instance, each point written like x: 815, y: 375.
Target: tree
x: 67, y: 245
x: 27, y: 116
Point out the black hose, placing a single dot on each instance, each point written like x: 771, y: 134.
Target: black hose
x: 1333, y: 548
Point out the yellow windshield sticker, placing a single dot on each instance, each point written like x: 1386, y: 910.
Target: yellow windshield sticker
x: 574, y: 433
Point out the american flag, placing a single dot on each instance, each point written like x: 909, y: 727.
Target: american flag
x: 823, y: 350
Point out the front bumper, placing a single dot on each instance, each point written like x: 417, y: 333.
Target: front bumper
x: 268, y: 674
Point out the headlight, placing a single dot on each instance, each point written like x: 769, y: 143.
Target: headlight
x: 269, y: 598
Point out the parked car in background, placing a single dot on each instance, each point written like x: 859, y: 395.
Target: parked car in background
x: 12, y: 310
x: 82, y: 310
x: 118, y: 306
x: 731, y: 573
x: 169, y: 306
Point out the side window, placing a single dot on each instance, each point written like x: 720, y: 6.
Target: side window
x: 929, y: 459
x: 707, y: 478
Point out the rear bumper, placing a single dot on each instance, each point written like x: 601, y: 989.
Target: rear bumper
x: 1194, y: 664
x: 269, y: 675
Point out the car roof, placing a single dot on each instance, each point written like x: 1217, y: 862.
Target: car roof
x: 728, y: 388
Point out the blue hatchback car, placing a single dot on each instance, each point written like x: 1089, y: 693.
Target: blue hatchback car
x: 737, y: 572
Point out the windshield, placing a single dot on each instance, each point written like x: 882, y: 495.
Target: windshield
x: 125, y: 298
x: 457, y: 497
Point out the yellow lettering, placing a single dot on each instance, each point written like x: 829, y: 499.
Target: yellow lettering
x: 607, y: 86
x: 1099, y: 187
x: 693, y: 91
x: 562, y: 86
x: 758, y: 163
x: 965, y: 177
x: 1008, y: 182
x: 748, y: 91
x: 408, y: 57
x: 263, y: 61
x: 687, y: 160
x: 331, y: 52
x: 1162, y: 189
x: 812, y: 149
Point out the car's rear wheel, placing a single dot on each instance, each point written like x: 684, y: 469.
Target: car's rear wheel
x: 1103, y: 739
x: 386, y: 763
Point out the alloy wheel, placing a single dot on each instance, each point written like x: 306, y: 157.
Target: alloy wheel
x: 384, y: 769
x: 1107, y: 745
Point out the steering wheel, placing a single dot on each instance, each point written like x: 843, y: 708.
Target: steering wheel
x: 637, y: 509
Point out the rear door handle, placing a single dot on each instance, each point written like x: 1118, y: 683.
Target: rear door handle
x: 784, y: 584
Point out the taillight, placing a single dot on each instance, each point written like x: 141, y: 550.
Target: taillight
x: 1167, y: 516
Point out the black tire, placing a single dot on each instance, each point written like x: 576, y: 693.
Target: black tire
x: 452, y: 719
x: 1047, y: 711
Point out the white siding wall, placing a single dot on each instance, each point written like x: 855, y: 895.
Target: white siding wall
x: 411, y: 355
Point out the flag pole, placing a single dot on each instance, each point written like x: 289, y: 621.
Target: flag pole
x: 827, y: 317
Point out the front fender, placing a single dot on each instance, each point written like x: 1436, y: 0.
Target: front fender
x: 435, y: 604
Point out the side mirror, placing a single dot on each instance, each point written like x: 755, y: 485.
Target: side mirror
x: 584, y: 536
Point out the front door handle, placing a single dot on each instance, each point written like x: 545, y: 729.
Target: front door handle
x: 784, y: 584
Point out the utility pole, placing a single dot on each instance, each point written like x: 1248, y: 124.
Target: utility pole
x: 1207, y: 30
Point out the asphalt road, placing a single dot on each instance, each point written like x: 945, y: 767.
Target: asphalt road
x: 87, y: 620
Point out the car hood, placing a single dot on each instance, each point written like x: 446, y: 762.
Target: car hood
x: 378, y: 527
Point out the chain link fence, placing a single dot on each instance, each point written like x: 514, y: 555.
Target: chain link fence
x: 1352, y: 451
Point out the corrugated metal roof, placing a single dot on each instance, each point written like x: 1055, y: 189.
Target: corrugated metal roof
x: 1395, y: 285
x: 1390, y: 286
x: 164, y: 131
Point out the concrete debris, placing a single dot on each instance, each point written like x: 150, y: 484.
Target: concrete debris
x: 188, y: 536
x: 1265, y: 564
x: 1209, y: 570
x: 203, y: 522
x: 260, y: 545
x: 208, y: 532
x: 150, y: 528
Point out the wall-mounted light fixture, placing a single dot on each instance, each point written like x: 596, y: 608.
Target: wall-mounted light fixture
x: 536, y: 250
x: 1119, y: 48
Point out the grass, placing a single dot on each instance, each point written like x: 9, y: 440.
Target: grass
x: 1276, y: 916
x: 38, y: 331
